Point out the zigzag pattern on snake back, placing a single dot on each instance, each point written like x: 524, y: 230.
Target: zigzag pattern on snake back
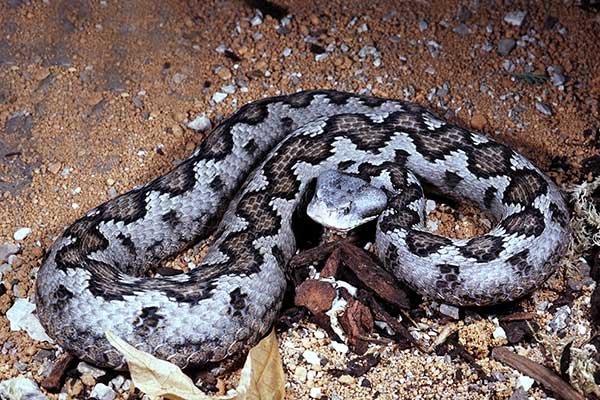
x: 250, y: 174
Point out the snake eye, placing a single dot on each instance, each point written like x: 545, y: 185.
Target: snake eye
x: 346, y: 210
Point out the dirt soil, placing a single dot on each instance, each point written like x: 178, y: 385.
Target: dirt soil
x: 96, y: 98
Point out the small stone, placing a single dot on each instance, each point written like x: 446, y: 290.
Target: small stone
x: 311, y: 357
x: 20, y: 388
x: 422, y: 25
x: 21, y: 233
x: 515, y: 18
x: 451, y: 311
x: 219, y: 97
x: 462, y: 30
x: 88, y: 380
x: 543, y: 108
x: 315, y: 393
x: 229, y: 89
x: 519, y: 394
x: 200, y: 123
x: 300, y: 374
x: 478, y: 121
x: 103, y: 392
x: 110, y: 181
x: 85, y: 368
x: 256, y: 20
x: 54, y: 167
x: 224, y: 73
x: 525, y: 382
x: 286, y: 52
x: 346, y: 379
x: 8, y: 249
x: 559, y: 322
x: 508, y: 66
x: 117, y: 382
x: 339, y: 347
x: 499, y: 333
x: 505, y: 46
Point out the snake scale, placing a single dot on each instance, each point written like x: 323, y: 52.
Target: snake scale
x: 246, y: 179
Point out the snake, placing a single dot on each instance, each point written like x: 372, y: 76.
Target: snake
x: 240, y: 189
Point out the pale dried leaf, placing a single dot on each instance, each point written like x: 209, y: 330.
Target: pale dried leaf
x: 262, y: 377
x: 158, y: 378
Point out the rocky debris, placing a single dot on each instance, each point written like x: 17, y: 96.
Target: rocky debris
x: 200, y: 124
x: 515, y: 18
x: 556, y: 75
x: 20, y: 388
x: 21, y: 233
x: 450, y: 311
x: 103, y: 392
x: 505, y: 46
x: 219, y: 97
x: 8, y: 249
x: 311, y: 357
x: 462, y: 30
x: 543, y: 108
x: 560, y: 320
x: 21, y: 317
x: 20, y: 122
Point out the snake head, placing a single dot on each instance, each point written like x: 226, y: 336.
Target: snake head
x: 342, y: 202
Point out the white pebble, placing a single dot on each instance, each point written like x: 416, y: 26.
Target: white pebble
x: 219, y: 97
x: 315, y: 393
x: 21, y: 233
x: 103, y: 392
x: 311, y: 357
x: 319, y: 334
x: 339, y: 347
x: 20, y: 388
x: 525, y: 382
x: 200, y: 123
x: 499, y: 333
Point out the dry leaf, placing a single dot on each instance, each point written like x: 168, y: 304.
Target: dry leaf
x: 262, y: 377
x: 155, y: 377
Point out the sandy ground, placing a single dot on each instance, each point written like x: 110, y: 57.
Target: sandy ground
x: 95, y: 98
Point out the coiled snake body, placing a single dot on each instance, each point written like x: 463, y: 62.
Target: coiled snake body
x: 250, y: 174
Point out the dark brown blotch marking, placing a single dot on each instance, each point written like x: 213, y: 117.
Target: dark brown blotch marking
x: 489, y: 196
x: 483, y: 249
x: 529, y: 222
x: 525, y: 185
x: 127, y: 243
x: 171, y: 218
x: 424, y: 244
x: 489, y: 159
x: 237, y: 301
x: 452, y: 179
x: 520, y: 263
x: 147, y: 320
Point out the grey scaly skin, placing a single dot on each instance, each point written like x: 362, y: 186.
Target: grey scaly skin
x: 249, y: 174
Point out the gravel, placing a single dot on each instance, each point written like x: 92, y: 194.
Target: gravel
x: 543, y: 108
x: 103, y: 392
x: 505, y: 46
x: 20, y: 388
x: 7, y: 249
x: 200, y: 124
x: 515, y: 18
x: 21, y: 233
